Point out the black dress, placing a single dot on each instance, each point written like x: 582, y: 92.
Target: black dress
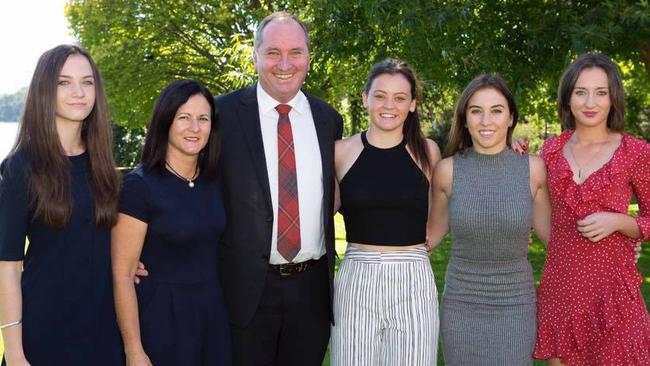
x: 68, y: 313
x: 182, y: 314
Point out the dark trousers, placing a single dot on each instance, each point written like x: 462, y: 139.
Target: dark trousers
x: 291, y: 326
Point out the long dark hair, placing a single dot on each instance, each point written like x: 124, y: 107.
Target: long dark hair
x: 459, y: 138
x: 616, y: 116
x: 170, y: 99
x: 49, y: 176
x: 412, y: 133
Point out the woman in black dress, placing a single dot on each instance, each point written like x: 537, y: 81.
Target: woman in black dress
x: 171, y: 217
x: 59, y: 188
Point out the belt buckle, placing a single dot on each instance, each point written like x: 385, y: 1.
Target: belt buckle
x: 285, y: 269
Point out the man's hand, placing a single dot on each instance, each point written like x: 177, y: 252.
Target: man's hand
x: 140, y: 272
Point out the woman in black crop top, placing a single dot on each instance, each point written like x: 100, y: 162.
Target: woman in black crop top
x: 386, y: 309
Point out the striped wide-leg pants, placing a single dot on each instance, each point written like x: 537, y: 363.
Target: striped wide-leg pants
x: 385, y: 309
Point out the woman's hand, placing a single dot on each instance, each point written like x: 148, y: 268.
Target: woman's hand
x: 19, y: 362
x: 599, y: 225
x: 429, y: 246
x: 139, y: 359
x: 519, y: 145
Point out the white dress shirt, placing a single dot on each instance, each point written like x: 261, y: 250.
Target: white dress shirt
x: 309, y: 172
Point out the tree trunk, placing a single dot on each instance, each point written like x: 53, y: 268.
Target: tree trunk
x: 645, y: 54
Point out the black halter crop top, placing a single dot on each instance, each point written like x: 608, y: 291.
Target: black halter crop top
x: 384, y: 197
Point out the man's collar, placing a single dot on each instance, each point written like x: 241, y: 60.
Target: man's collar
x: 265, y: 102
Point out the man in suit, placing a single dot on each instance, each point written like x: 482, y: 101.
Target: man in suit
x: 277, y: 164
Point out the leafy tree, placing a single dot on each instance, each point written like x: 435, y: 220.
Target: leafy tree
x: 529, y: 42
x: 141, y: 45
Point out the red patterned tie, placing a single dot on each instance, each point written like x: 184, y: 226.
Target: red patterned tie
x: 288, y: 213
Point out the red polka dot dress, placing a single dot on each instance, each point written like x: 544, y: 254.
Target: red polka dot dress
x: 590, y: 308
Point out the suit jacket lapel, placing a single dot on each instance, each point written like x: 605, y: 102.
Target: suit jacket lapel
x: 249, y: 120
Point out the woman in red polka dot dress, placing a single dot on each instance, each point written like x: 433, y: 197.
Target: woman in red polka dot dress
x: 590, y: 308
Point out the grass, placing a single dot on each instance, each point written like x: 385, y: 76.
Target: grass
x: 440, y: 257
x: 536, y: 255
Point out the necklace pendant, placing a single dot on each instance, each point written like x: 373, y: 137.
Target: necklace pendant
x: 579, y: 173
x: 190, y: 183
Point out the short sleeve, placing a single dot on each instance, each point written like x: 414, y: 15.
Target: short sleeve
x: 14, y: 208
x: 641, y: 187
x: 135, y: 197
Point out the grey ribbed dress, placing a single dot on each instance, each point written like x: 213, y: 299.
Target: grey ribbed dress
x: 488, y: 314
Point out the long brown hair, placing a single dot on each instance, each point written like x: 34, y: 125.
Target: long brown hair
x: 616, y: 116
x: 49, y: 175
x: 412, y: 133
x: 459, y: 138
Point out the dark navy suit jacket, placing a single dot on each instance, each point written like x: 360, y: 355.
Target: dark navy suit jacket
x: 246, y: 243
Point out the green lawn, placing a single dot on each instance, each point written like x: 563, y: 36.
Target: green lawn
x: 440, y: 256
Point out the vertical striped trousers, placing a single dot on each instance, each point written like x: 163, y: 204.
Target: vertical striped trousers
x: 385, y: 310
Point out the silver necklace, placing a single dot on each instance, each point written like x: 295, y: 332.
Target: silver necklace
x: 190, y: 181
x: 588, y: 161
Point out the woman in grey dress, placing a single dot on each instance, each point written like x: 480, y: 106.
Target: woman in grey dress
x: 488, y: 197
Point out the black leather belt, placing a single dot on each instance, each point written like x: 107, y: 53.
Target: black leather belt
x: 288, y: 269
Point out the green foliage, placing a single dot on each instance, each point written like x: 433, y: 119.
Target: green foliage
x: 11, y: 105
x: 141, y: 45
x: 127, y: 143
x: 528, y: 42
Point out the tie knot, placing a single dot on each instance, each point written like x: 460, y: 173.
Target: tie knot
x: 283, y: 108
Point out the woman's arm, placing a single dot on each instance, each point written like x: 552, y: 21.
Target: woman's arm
x: 127, y: 240
x: 346, y: 153
x: 14, y: 225
x: 433, y: 151
x: 11, y: 312
x: 337, y: 196
x: 438, y: 223
x: 541, y: 200
x: 599, y: 225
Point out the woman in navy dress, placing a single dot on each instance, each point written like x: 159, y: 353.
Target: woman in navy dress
x: 171, y: 217
x: 59, y: 189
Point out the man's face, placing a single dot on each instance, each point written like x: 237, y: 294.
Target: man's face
x: 282, y: 59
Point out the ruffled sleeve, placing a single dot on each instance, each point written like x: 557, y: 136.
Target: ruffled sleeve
x: 641, y: 186
x: 550, y: 147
